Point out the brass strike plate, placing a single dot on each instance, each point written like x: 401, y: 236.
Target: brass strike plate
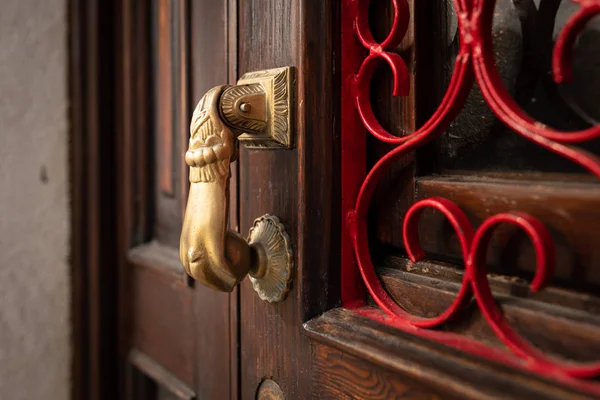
x: 278, y: 86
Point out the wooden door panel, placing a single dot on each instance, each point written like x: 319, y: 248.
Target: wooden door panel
x: 182, y: 340
x: 485, y: 148
x: 298, y: 186
x: 213, y: 62
x: 560, y: 317
x: 340, y: 375
x: 569, y: 209
x: 385, y: 360
x: 178, y: 339
x: 427, y: 289
x: 398, y: 114
x: 268, y: 184
x: 162, y: 318
x: 150, y: 380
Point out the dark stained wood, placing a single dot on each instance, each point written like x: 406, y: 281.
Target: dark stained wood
x: 183, y: 85
x: 214, y: 337
x: 556, y: 329
x: 397, y: 114
x: 318, y: 137
x: 190, y: 340
x: 215, y: 314
x: 170, y: 41
x: 171, y: 32
x: 500, y: 284
x: 405, y: 114
x: 434, y: 57
x: 569, y: 210
x: 299, y: 186
x: 186, y: 331
x: 339, y: 375
x: 562, y: 320
x: 160, y: 375
x: 93, y: 221
x: 234, y: 211
x: 134, y: 106
x: 157, y: 256
x: 268, y: 184
x: 101, y: 213
x: 413, y: 361
x: 163, y: 323
x: 134, y: 114
x: 165, y: 17
x: 171, y: 83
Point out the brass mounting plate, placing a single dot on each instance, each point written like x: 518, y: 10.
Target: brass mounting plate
x: 278, y: 84
x: 269, y: 233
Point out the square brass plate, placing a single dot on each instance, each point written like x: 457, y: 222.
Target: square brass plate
x: 279, y: 86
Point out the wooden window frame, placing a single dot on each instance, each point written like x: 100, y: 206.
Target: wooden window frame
x: 363, y: 291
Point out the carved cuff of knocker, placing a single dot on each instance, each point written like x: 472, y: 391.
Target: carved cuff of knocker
x: 209, y: 155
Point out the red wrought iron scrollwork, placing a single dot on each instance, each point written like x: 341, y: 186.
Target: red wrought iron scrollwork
x: 474, y: 64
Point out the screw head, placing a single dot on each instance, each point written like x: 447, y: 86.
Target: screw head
x: 245, y: 107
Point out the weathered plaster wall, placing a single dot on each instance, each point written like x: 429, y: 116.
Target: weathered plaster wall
x: 34, y: 207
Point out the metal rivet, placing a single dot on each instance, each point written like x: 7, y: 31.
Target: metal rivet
x: 245, y: 107
x: 269, y: 390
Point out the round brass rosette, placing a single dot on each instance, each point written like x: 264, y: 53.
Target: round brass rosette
x: 269, y: 238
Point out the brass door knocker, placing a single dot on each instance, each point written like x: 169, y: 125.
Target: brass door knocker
x: 256, y: 111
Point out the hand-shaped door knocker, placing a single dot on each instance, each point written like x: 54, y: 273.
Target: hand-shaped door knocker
x: 257, y: 112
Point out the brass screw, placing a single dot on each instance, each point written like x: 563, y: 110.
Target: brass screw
x: 245, y: 107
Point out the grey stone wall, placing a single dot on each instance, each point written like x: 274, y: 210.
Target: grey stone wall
x: 35, y: 349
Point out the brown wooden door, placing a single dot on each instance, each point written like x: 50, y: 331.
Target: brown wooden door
x: 180, y: 339
x: 330, y: 338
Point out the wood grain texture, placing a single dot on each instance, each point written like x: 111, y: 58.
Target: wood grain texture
x: 268, y: 184
x: 170, y: 33
x: 165, y: 18
x: 92, y: 58
x: 192, y: 332
x: 339, y: 375
x: 171, y: 64
x: 157, y: 256
x: 188, y: 331
x: 296, y: 185
x: 569, y: 210
x: 215, y: 314
x: 160, y: 376
x: 234, y: 211
x: 134, y: 104
x: 404, y: 359
x: 163, y: 322
x: 398, y: 115
x: 428, y: 289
